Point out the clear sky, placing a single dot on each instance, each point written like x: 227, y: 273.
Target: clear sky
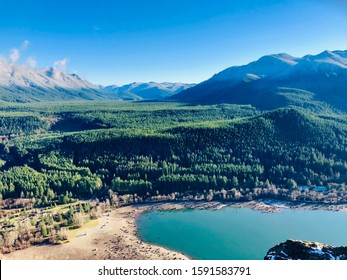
x: 118, y: 42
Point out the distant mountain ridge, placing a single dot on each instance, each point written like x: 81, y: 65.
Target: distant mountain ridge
x: 314, y: 82
x: 278, y: 80
x: 147, y: 91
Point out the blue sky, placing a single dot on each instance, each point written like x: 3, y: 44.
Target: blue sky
x: 117, y: 42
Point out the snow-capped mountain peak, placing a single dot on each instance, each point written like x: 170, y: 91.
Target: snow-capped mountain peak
x: 278, y: 80
x: 336, y: 58
x: 25, y: 84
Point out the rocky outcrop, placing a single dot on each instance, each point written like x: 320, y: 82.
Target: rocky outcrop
x: 304, y: 250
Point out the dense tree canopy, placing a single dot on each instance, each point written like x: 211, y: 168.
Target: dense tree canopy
x: 150, y: 149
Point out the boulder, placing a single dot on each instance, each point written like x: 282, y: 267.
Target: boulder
x: 305, y: 250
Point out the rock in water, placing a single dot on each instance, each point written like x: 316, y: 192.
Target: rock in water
x: 305, y: 250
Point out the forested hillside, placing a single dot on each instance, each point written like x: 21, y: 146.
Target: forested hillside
x: 64, y: 163
x: 161, y: 148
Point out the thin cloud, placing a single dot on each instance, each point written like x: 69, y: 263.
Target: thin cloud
x: 14, y: 55
x: 96, y: 28
x: 61, y: 64
x: 25, y: 45
x: 31, y: 62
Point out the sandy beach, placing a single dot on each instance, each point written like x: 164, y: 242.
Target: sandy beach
x: 114, y: 234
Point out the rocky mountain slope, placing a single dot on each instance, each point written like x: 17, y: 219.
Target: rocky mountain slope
x: 304, y: 250
x: 278, y: 80
x: 19, y: 83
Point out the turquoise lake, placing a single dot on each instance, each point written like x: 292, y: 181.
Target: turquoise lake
x: 238, y: 233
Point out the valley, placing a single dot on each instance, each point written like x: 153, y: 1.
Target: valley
x: 65, y: 164
x: 72, y: 153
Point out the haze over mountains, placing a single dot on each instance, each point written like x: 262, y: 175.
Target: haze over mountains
x: 276, y: 81
x: 147, y: 91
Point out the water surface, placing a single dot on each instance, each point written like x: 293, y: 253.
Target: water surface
x: 239, y: 233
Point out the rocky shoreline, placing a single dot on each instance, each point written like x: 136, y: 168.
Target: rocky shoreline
x: 115, y: 235
x: 306, y: 250
x: 272, y: 206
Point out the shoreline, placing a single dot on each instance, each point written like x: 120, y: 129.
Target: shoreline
x: 114, y: 235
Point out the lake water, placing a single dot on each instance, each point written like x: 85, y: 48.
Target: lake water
x: 238, y: 233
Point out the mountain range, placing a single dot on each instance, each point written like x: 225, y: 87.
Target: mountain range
x: 19, y: 83
x: 316, y: 82
x: 146, y: 91
x: 276, y: 81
